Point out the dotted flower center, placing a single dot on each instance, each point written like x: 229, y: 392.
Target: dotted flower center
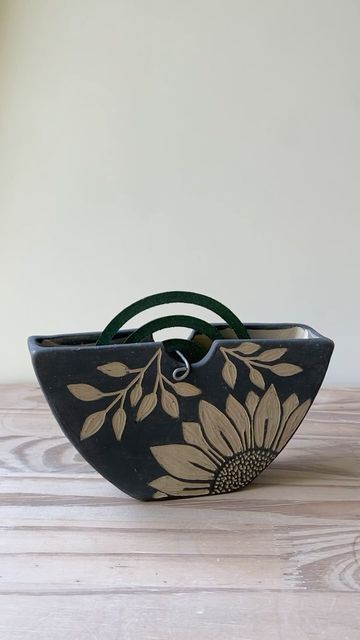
x: 241, y: 469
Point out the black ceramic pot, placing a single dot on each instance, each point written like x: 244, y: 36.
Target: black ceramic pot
x: 155, y: 436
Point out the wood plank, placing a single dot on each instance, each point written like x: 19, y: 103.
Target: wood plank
x: 181, y: 616
x: 114, y: 573
x: 81, y: 559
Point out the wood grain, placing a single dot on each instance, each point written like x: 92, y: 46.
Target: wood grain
x: 279, y: 560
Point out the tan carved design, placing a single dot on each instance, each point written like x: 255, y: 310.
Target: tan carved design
x: 223, y: 452
x: 145, y: 403
x: 250, y: 355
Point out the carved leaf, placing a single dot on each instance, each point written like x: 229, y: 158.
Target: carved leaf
x: 85, y: 392
x: 229, y: 373
x: 135, y: 395
x: 271, y: 354
x: 257, y: 378
x: 186, y: 389
x: 147, y: 405
x: 118, y: 422
x: 286, y: 369
x: 247, y: 348
x: 92, y: 424
x: 114, y: 369
x: 267, y: 418
x: 169, y: 403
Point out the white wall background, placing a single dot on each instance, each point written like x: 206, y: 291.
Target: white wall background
x: 199, y: 144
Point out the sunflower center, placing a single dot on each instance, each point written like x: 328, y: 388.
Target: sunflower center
x: 241, y: 469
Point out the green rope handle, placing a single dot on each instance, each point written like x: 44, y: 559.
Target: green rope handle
x: 187, y: 297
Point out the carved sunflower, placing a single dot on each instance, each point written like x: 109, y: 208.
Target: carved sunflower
x: 225, y: 452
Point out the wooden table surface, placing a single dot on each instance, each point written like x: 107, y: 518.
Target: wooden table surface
x: 82, y: 561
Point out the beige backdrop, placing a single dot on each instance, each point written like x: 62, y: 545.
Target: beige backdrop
x: 197, y: 144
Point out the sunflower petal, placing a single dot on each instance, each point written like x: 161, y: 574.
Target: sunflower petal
x: 267, y: 418
x: 184, y: 461
x: 288, y: 407
x: 292, y: 423
x: 193, y: 434
x: 239, y: 416
x: 218, y: 429
x: 173, y: 487
x: 158, y: 495
x: 251, y: 401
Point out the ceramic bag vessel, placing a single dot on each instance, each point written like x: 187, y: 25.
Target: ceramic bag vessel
x: 181, y: 418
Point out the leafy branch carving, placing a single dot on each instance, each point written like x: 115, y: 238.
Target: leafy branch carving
x: 248, y: 354
x: 134, y: 392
